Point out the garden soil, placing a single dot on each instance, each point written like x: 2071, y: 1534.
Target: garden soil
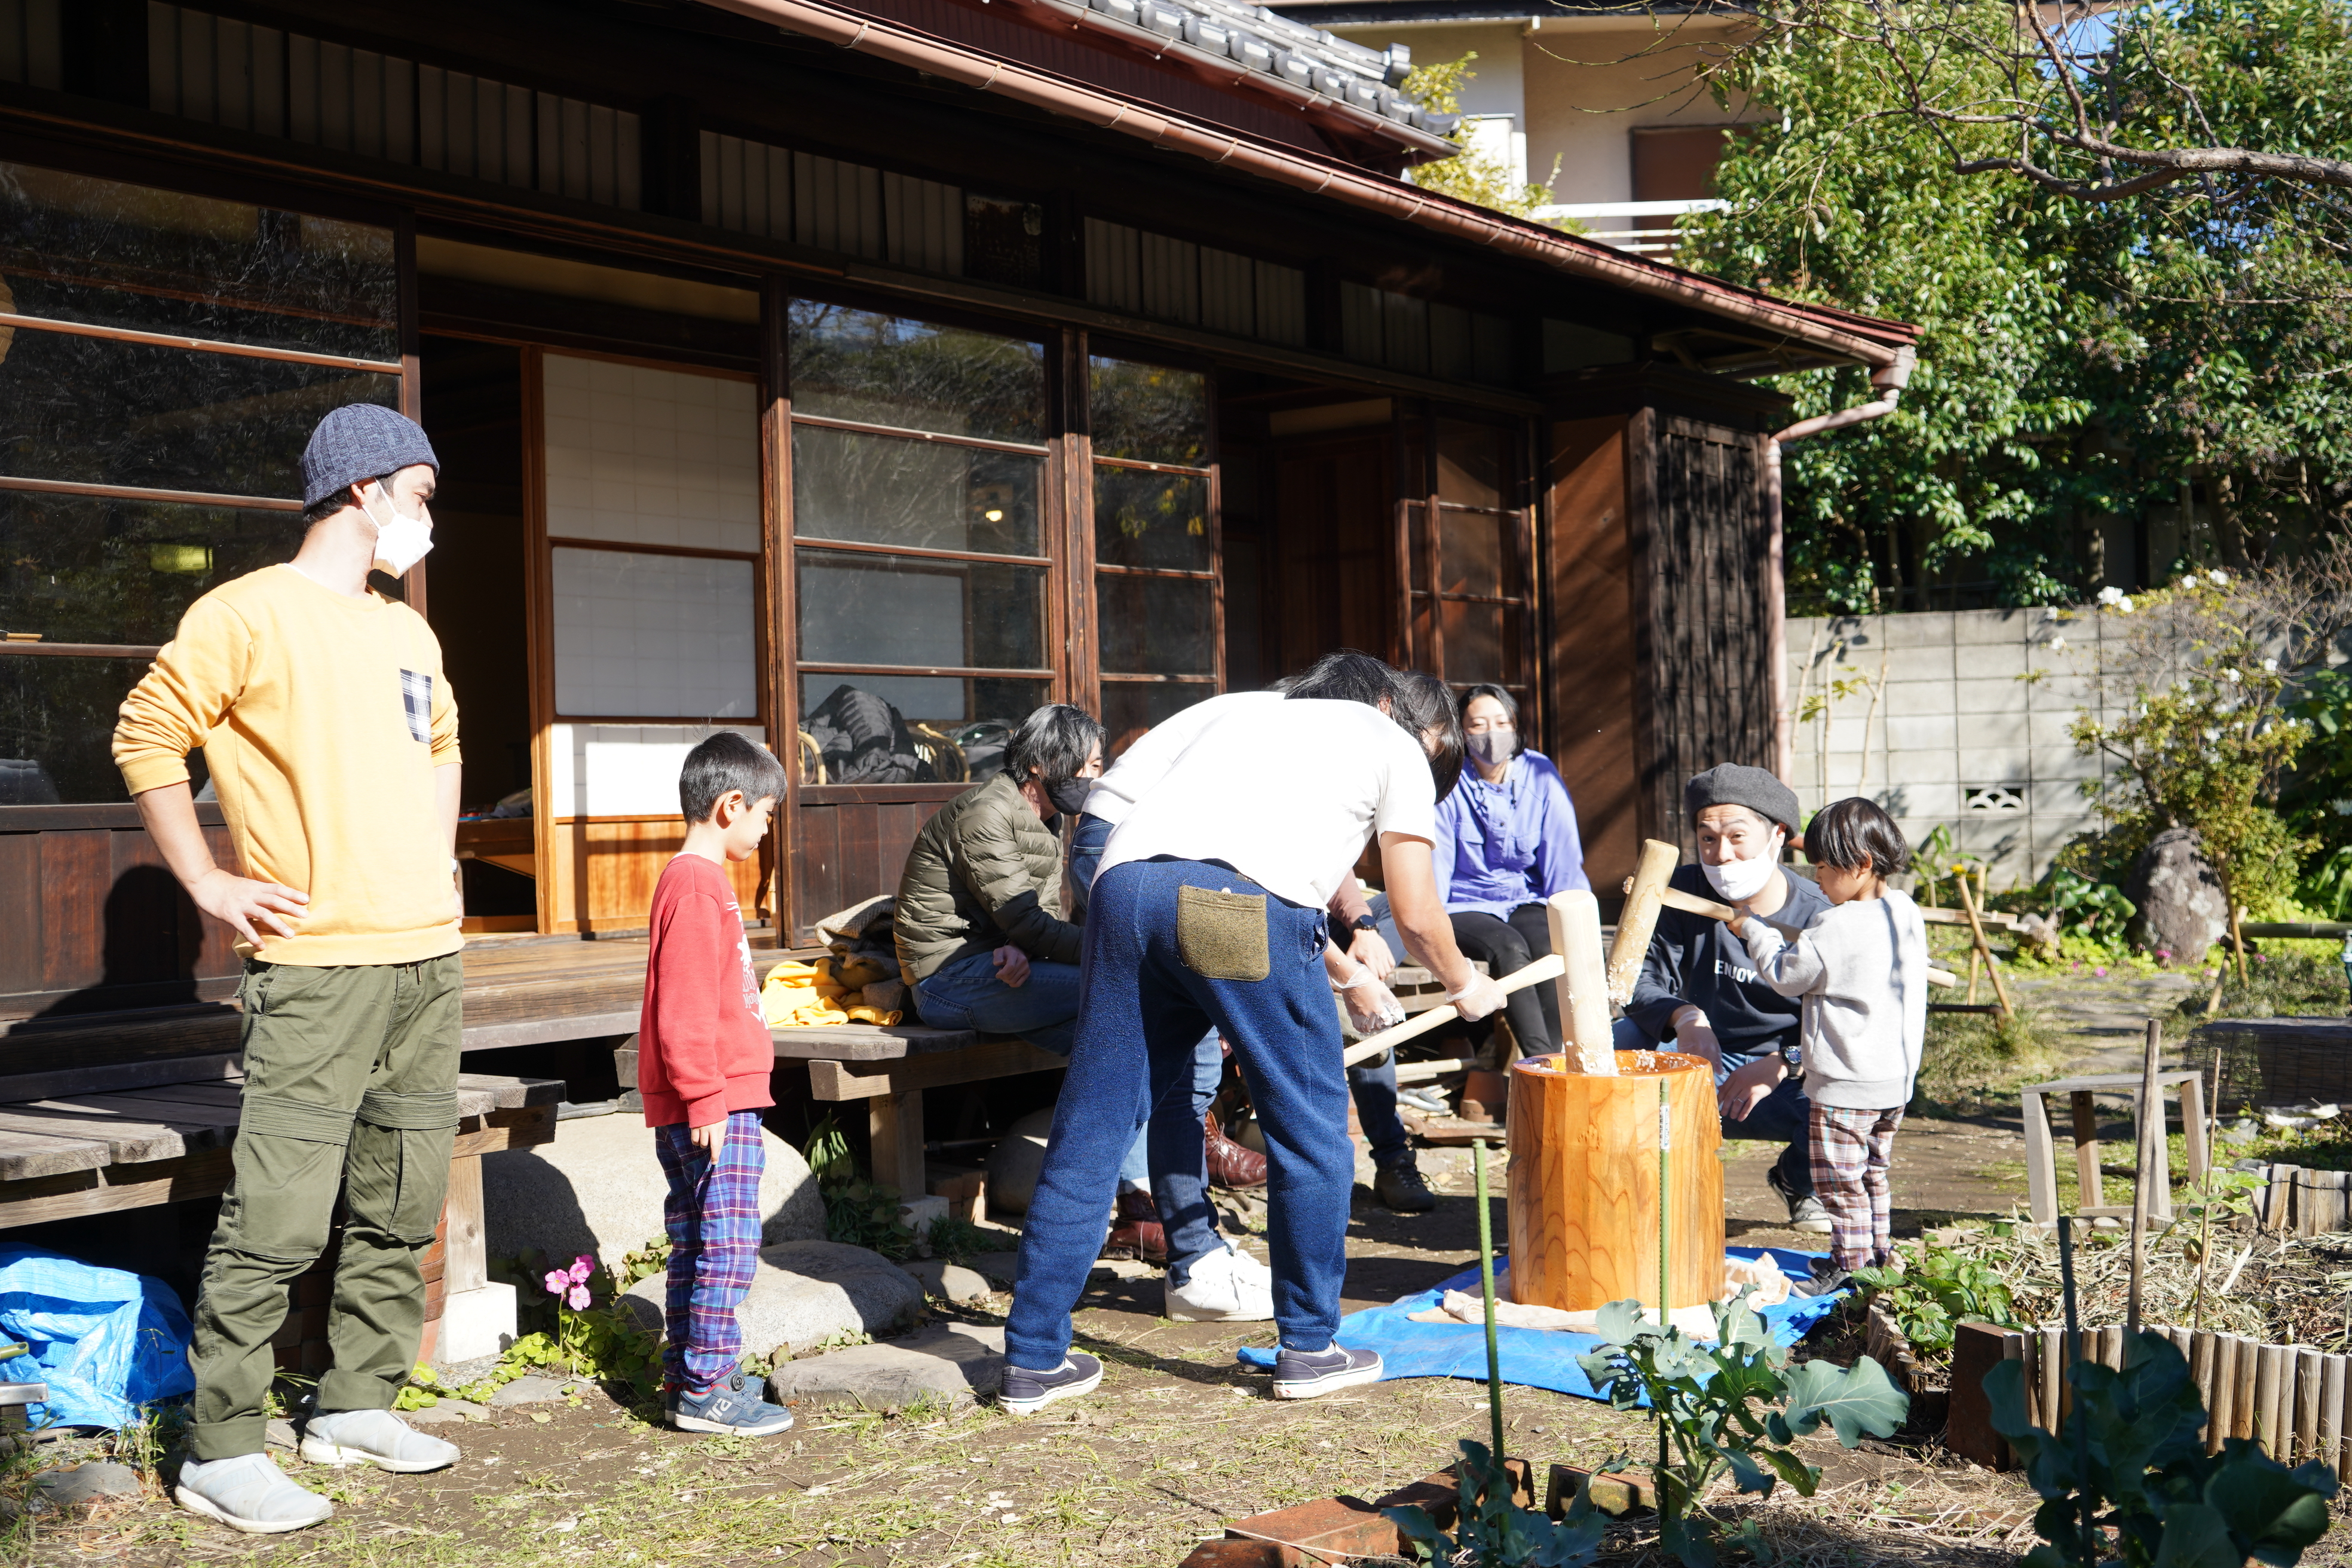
x: 1179, y: 1440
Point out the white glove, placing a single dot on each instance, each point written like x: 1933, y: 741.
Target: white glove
x: 1371, y: 1006
x: 1696, y: 1035
x: 1481, y: 998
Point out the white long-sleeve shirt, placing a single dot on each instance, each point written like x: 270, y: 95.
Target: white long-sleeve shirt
x: 1860, y: 971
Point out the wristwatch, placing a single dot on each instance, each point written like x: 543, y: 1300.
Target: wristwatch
x: 1793, y: 1055
x: 1364, y: 922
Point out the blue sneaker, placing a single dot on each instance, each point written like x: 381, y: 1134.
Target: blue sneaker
x: 1305, y: 1374
x: 1025, y: 1391
x: 731, y: 1404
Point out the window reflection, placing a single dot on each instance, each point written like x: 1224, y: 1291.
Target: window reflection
x: 1148, y: 413
x: 1470, y: 463
x: 913, y: 610
x: 1147, y: 519
x: 908, y: 729
x: 889, y: 370
x: 1157, y: 625
x: 1470, y: 552
x: 889, y: 490
x: 56, y: 729
x: 90, y: 570
x: 111, y: 254
x: 94, y: 411
x: 1131, y: 707
x: 1478, y: 645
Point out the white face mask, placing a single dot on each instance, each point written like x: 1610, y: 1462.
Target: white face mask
x: 1737, y: 882
x: 400, y: 543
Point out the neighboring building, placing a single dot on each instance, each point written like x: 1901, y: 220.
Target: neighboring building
x: 855, y: 376
x: 1603, y: 95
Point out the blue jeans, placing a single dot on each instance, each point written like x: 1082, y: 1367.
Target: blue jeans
x: 1785, y: 1115
x: 1140, y: 1026
x: 967, y: 994
x: 1086, y: 840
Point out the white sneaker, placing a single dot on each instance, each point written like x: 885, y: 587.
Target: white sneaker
x: 249, y: 1492
x: 375, y: 1437
x: 1226, y: 1287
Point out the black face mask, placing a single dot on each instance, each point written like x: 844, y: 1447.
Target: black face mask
x: 1069, y: 796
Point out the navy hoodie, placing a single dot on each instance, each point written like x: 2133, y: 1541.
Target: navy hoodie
x: 1694, y: 959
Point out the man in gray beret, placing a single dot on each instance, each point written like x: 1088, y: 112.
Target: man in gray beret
x: 331, y: 738
x: 1699, y: 988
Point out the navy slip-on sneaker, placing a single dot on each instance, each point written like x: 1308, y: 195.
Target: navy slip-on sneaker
x: 1305, y: 1374
x: 1025, y: 1391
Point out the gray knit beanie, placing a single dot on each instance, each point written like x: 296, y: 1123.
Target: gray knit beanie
x: 1728, y: 784
x: 357, y: 442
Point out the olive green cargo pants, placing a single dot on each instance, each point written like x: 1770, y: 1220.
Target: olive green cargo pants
x: 350, y: 1085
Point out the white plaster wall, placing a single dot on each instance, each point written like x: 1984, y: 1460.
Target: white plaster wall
x: 1970, y: 726
x: 622, y: 770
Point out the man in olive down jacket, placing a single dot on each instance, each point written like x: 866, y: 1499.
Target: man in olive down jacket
x: 979, y: 929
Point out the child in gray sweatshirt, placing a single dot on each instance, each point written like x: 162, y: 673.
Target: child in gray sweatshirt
x: 1860, y: 973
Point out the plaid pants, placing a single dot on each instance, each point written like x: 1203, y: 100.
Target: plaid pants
x: 713, y: 1215
x: 1850, y: 1150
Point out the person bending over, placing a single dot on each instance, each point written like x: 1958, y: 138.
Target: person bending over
x: 1209, y: 911
x: 703, y: 1057
x: 331, y: 738
x: 1699, y: 988
x: 1860, y: 974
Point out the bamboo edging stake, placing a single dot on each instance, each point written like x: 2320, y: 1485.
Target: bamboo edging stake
x: 1975, y: 930
x: 2073, y: 1343
x: 2152, y: 1113
x: 1487, y: 1289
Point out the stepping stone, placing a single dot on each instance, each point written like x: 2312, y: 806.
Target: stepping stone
x: 531, y: 1390
x: 804, y: 1293
x: 87, y: 1483
x: 1001, y: 1266
x: 450, y: 1409
x: 280, y: 1434
x: 959, y: 1362
x: 948, y: 1281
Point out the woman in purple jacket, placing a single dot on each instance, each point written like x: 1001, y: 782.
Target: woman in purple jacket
x: 1507, y: 841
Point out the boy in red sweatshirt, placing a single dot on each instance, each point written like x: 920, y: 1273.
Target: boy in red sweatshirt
x: 703, y: 1060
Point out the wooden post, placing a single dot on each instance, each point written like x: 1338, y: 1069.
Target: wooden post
x: 2193, y: 1122
x: 2331, y: 1412
x: 1976, y: 930
x: 897, y: 1122
x: 2310, y: 1372
x: 2053, y: 1380
x: 2238, y: 937
x: 1575, y: 918
x: 2151, y: 1114
x: 466, y: 1257
x: 1639, y: 920
x: 2088, y: 1192
x: 2041, y: 1162
x: 2270, y: 1367
x: 2201, y: 1368
x: 2221, y: 1397
x: 1974, y: 962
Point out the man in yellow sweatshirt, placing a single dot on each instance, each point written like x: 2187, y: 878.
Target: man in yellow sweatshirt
x: 331, y: 738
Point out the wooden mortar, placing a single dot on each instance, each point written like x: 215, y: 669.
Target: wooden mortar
x: 1584, y: 1183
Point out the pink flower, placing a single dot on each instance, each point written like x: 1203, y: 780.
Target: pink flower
x: 582, y: 1266
x: 2164, y: 955
x: 579, y: 1297
x: 2100, y: 971
x: 557, y: 1281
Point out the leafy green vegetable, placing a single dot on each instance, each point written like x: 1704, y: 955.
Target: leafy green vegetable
x: 1492, y: 1532
x: 1929, y: 1297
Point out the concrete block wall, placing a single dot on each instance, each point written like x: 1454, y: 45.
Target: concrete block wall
x: 1968, y: 726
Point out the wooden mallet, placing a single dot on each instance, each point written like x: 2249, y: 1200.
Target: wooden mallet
x: 1645, y: 891
x: 1544, y: 968
x: 1676, y: 898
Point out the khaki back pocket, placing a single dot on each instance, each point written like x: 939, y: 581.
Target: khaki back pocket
x: 1221, y: 935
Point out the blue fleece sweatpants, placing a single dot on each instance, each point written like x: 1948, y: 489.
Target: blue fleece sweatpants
x: 1141, y: 1013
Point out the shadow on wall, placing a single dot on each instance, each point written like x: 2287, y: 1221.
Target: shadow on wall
x: 599, y: 1189
x: 152, y: 941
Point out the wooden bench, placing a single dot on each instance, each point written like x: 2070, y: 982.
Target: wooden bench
x: 2040, y: 1151
x: 81, y: 1142
x: 889, y: 1065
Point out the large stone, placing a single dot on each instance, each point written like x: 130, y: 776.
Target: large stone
x: 805, y: 1293
x: 948, y: 1281
x: 1014, y: 1163
x: 2182, y: 910
x: 953, y: 1360
x: 88, y: 1483
x: 599, y: 1188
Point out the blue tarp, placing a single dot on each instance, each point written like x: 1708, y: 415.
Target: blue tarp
x: 1538, y: 1358
x: 106, y: 1341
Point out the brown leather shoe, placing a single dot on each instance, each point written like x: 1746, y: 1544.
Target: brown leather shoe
x: 1137, y: 1231
x: 1232, y: 1164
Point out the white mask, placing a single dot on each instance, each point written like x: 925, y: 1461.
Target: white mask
x: 400, y: 543
x: 1737, y: 882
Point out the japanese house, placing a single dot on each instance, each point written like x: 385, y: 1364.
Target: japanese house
x: 853, y: 375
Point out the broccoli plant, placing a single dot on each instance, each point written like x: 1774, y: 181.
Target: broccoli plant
x: 1732, y: 1406
x: 2138, y: 1466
